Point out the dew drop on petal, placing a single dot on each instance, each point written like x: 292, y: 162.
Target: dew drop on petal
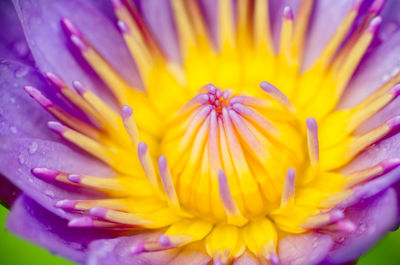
x: 76, y: 246
x: 340, y: 239
x: 385, y: 78
x: 21, y: 71
x: 13, y: 129
x: 21, y: 159
x: 395, y: 71
x: 49, y: 193
x: 315, y: 244
x: 362, y: 228
x: 61, y: 211
x: 20, y: 48
x: 33, y: 147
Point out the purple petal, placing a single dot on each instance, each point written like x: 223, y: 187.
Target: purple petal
x: 306, y: 249
x: 246, y: 259
x: 372, y: 188
x: 391, y: 18
x: 191, y: 258
x: 105, y: 6
x: 12, y: 40
x: 19, y: 155
x: 373, y: 217
x: 53, y: 51
x: 370, y: 77
x: 385, y: 149
x: 326, y: 17
x: 31, y: 221
x: 8, y: 192
x: 118, y: 252
x: 20, y: 115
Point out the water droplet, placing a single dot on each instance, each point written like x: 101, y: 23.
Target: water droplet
x: 13, y: 129
x: 315, y: 244
x: 21, y: 71
x: 61, y: 211
x: 20, y: 48
x: 76, y: 246
x: 33, y: 147
x: 340, y: 239
x: 385, y: 78
x: 49, y: 193
x: 21, y: 159
x: 362, y: 228
x: 387, y: 30
x: 395, y: 71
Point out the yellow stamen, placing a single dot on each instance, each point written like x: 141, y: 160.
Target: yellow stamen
x: 226, y: 29
x: 262, y: 31
x: 187, y: 38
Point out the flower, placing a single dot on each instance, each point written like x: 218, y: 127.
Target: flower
x: 244, y: 132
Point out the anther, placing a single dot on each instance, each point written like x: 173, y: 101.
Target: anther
x: 277, y: 95
x: 130, y: 124
x: 45, y: 173
x: 167, y: 181
x: 147, y: 164
x: 312, y: 140
x: 55, y: 80
x: 70, y: 28
x: 289, y: 188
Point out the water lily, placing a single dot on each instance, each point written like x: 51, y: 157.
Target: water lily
x: 200, y: 131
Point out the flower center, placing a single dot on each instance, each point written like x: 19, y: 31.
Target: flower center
x: 238, y: 169
x: 252, y: 141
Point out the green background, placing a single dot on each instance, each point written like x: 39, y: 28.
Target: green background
x: 14, y: 251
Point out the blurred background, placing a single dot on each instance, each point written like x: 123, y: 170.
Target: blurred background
x: 14, y: 251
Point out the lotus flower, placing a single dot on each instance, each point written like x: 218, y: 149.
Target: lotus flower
x: 200, y: 131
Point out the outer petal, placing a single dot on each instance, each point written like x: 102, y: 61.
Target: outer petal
x: 117, y: 252
x: 53, y: 52
x: 307, y: 249
x: 385, y: 149
x: 12, y: 40
x: 391, y: 18
x: 19, y: 155
x: 31, y: 221
x: 26, y: 142
x: 326, y: 17
x: 370, y: 77
x: 105, y: 6
x: 191, y: 257
x: 373, y: 218
x: 20, y: 115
